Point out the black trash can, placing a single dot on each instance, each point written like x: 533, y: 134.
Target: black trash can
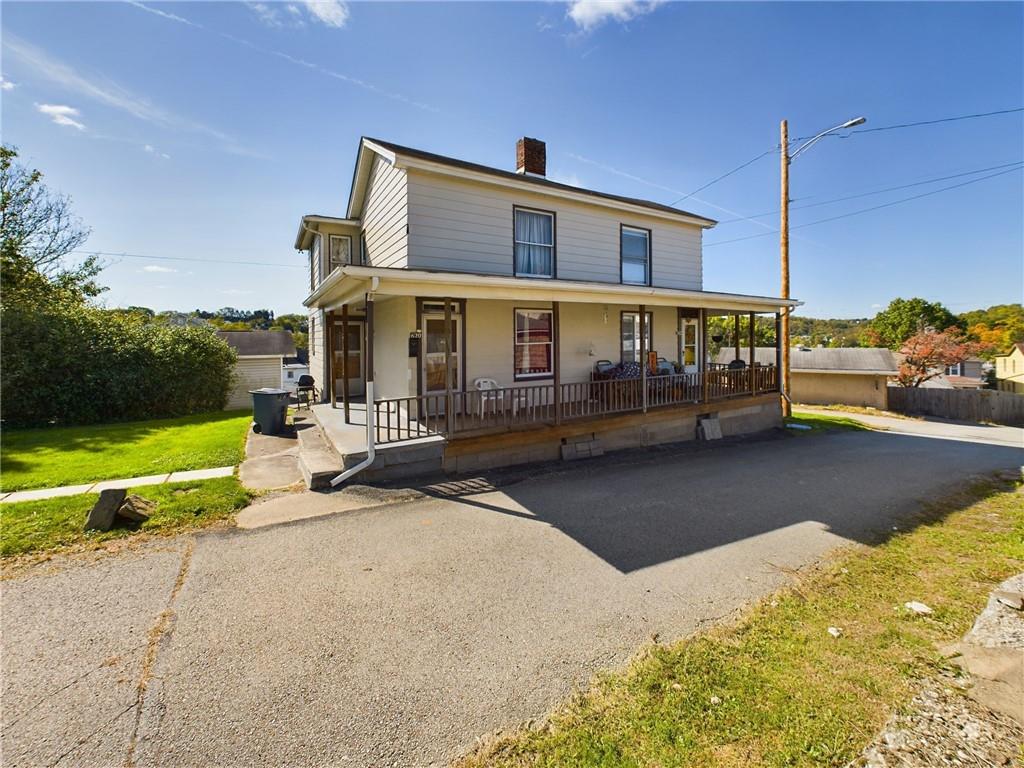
x: 269, y: 409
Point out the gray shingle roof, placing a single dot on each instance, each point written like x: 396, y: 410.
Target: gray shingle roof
x: 538, y: 181
x: 845, y: 360
x: 247, y: 343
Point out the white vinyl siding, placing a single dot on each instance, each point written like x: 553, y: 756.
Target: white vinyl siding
x: 465, y: 226
x: 253, y: 373
x: 385, y: 217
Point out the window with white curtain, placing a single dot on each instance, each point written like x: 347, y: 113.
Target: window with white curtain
x: 534, y: 243
x: 636, y: 256
x: 630, y: 335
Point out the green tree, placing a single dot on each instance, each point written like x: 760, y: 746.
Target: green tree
x: 905, y: 317
x: 37, y: 232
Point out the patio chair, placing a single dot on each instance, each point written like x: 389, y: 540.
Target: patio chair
x: 488, y: 391
x: 305, y: 391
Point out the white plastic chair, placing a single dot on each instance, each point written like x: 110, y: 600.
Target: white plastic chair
x: 489, y: 392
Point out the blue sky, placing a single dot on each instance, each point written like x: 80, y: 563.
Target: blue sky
x: 205, y: 130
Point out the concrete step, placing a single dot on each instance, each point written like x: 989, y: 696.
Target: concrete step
x: 318, y: 462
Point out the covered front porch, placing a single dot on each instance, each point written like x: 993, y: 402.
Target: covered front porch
x: 461, y: 356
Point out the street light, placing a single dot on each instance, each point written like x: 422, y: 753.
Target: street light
x: 787, y: 408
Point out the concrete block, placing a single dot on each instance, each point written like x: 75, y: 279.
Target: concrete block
x: 101, y: 516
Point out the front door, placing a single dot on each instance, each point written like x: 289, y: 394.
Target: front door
x: 434, y: 351
x: 689, y: 344
x: 356, y: 378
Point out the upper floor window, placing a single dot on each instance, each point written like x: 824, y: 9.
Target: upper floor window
x: 341, y: 251
x: 635, y: 249
x: 534, y: 243
x: 362, y: 249
x: 953, y: 370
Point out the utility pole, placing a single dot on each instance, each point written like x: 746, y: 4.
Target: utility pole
x: 787, y: 408
x: 787, y: 158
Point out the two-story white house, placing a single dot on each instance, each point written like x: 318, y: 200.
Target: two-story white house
x: 472, y: 301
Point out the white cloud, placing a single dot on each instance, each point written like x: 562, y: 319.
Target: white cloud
x: 61, y: 114
x: 7, y: 85
x: 295, y: 11
x: 157, y: 268
x: 590, y: 14
x: 333, y: 13
x: 567, y: 178
x: 153, y: 151
x: 111, y: 94
x: 235, y: 292
x: 164, y: 14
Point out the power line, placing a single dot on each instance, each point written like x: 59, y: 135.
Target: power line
x: 872, y: 208
x: 187, y: 258
x: 922, y: 122
x: 726, y: 175
x: 876, y: 191
x: 847, y: 135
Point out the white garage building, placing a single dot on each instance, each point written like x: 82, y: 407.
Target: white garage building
x: 261, y: 356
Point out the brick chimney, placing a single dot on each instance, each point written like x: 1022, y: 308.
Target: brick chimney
x: 531, y: 157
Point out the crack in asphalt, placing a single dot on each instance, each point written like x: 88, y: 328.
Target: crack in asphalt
x: 159, y: 633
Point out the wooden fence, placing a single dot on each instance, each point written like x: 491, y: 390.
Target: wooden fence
x: 963, y: 404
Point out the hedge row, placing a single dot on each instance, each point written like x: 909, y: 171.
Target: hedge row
x: 71, y: 363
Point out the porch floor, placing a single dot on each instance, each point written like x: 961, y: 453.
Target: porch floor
x: 350, y: 439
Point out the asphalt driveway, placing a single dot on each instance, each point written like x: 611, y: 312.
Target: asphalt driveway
x: 398, y: 634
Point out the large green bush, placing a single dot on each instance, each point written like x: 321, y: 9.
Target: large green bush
x: 68, y: 362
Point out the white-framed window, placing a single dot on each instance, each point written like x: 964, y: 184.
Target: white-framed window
x: 635, y: 249
x: 340, y: 247
x: 363, y: 252
x: 314, y: 256
x: 630, y: 328
x: 533, y: 344
x: 291, y: 374
x: 953, y: 370
x: 534, y: 243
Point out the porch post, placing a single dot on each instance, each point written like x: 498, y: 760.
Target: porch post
x: 556, y: 351
x: 344, y: 361
x: 778, y: 351
x: 643, y: 358
x: 329, y: 332
x: 370, y: 407
x: 736, y: 336
x: 449, y: 400
x: 753, y: 357
x: 704, y: 354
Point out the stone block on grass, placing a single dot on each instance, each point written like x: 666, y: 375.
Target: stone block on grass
x: 101, y: 516
x: 136, y: 509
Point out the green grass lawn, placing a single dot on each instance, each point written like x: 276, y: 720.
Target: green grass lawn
x: 819, y: 422
x: 32, y: 527
x: 776, y: 689
x: 55, y: 456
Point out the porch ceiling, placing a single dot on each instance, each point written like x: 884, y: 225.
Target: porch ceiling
x: 349, y: 283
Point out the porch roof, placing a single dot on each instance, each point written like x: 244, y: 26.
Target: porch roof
x: 349, y: 283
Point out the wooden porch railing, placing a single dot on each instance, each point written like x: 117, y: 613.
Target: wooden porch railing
x: 523, y: 407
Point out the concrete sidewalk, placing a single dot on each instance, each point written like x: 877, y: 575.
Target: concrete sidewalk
x: 128, y: 482
x: 941, y: 429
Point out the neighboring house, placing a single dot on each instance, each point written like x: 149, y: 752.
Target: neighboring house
x: 291, y: 370
x: 261, y: 355
x: 1010, y: 370
x: 552, y: 293
x: 967, y: 374
x: 834, y: 376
